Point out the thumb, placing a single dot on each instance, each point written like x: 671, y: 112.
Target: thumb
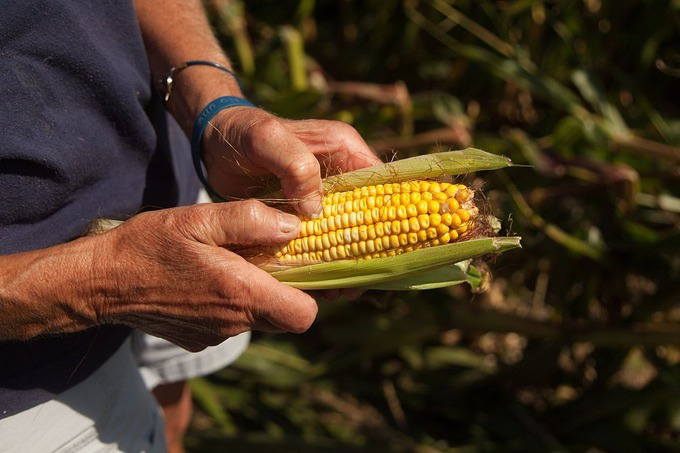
x: 248, y: 222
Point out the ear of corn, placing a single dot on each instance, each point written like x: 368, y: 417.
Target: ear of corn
x: 383, y: 220
x: 348, y: 246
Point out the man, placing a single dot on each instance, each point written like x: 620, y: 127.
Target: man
x: 85, y: 137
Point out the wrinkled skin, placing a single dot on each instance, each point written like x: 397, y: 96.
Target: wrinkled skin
x: 194, y: 291
x: 246, y: 144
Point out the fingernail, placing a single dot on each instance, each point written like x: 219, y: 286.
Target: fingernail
x: 311, y: 205
x: 287, y: 222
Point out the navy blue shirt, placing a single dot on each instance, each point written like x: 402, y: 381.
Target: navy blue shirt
x: 83, y: 137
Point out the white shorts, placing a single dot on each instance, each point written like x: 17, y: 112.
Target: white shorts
x: 113, y: 410
x: 161, y: 362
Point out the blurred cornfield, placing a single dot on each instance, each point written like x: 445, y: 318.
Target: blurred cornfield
x: 574, y: 344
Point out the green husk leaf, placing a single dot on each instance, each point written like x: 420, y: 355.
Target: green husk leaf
x: 428, y: 166
x: 371, y: 273
x: 453, y: 274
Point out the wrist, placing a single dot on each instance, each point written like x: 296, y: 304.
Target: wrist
x: 48, y: 291
x: 194, y: 88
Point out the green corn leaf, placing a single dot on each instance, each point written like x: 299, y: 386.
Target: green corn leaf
x: 428, y: 166
x: 453, y: 274
x: 375, y: 272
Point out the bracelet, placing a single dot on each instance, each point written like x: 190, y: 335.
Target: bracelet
x: 201, y: 123
x: 166, y: 83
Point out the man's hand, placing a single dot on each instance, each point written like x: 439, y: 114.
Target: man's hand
x: 246, y: 144
x: 169, y: 273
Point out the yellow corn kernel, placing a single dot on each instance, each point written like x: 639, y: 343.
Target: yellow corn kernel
x: 405, y: 228
x: 371, y: 231
x: 354, y: 247
x: 447, y: 219
x: 379, y: 230
x: 363, y: 232
x: 453, y: 204
x: 370, y: 202
x: 411, y: 210
x: 394, y: 241
x: 463, y: 195
x: 440, y: 197
x: 396, y: 227
x: 353, y: 219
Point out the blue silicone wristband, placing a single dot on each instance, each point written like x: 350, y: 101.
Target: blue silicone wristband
x: 208, y: 113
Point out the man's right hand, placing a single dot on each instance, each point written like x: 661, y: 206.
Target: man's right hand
x: 168, y: 273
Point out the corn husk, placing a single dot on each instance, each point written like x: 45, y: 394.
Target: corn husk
x: 411, y: 270
x: 428, y: 166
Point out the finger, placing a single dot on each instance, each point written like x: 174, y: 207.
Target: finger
x: 337, y: 145
x: 248, y: 222
x: 274, y: 147
x: 282, y: 306
x: 262, y: 325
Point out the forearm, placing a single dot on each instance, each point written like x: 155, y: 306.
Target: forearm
x: 47, y: 291
x: 176, y: 31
